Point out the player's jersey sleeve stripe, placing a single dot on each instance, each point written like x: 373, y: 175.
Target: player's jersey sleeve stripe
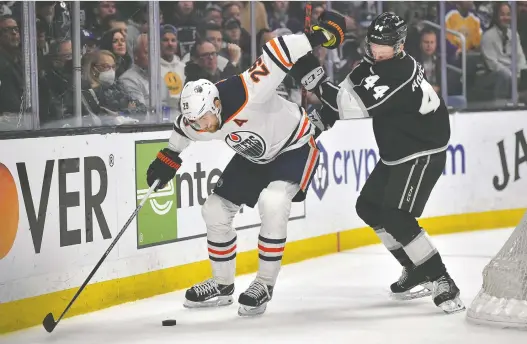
x: 274, y: 59
x: 284, y: 48
x: 302, y: 131
x: 396, y: 90
x: 278, y: 53
x: 308, y: 170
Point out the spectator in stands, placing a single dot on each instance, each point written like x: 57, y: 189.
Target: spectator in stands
x: 101, y: 11
x: 88, y: 42
x: 428, y: 57
x: 232, y: 10
x: 497, y: 51
x: 462, y: 19
x: 45, y: 14
x: 234, y: 33
x: 172, y: 70
x: 12, y: 83
x: 227, y: 52
x: 115, y: 41
x: 522, y: 24
x: 137, y: 25
x: 261, y: 16
x: 42, y: 42
x: 316, y: 12
x: 185, y: 18
x: 213, y: 13
x: 204, y: 63
x: 55, y: 83
x: 104, y: 96
x: 115, y: 22
x: 5, y: 10
x: 136, y: 80
x: 279, y: 18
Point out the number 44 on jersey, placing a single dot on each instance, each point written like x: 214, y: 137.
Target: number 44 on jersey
x: 429, y: 102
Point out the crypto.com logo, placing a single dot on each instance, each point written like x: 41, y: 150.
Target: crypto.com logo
x: 159, y: 206
x: 320, y: 181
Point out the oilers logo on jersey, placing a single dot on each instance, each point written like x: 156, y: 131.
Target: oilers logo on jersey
x: 246, y: 143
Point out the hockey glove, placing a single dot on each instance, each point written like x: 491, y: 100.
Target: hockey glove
x: 323, y: 119
x: 332, y: 25
x: 308, y: 72
x: 164, y: 168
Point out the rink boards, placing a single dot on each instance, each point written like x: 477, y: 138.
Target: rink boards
x: 63, y: 199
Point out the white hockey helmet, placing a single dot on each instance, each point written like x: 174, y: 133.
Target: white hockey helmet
x: 199, y: 97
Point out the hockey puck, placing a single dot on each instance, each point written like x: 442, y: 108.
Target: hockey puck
x: 169, y: 322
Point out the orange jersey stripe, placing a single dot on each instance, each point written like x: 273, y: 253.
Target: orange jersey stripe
x: 279, y: 54
x: 309, y: 170
x: 304, y: 125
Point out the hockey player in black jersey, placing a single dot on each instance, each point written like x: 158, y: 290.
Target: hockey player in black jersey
x: 412, y: 130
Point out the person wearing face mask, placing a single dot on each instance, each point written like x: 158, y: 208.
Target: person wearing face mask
x: 496, y: 49
x: 105, y: 97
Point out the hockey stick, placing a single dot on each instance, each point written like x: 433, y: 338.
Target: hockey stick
x: 307, y: 28
x: 49, y: 322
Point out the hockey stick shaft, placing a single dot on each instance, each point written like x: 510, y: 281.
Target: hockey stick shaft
x: 307, y: 28
x: 49, y: 323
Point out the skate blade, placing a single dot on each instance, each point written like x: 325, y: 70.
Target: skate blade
x: 452, y: 306
x: 423, y: 291
x: 219, y: 301
x: 248, y: 311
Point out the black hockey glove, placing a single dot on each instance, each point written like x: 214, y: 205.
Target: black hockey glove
x: 329, y: 32
x: 164, y: 168
x: 323, y: 119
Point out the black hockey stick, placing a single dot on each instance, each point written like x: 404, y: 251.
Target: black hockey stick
x: 49, y: 322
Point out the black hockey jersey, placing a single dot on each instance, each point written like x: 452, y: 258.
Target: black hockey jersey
x: 409, y: 118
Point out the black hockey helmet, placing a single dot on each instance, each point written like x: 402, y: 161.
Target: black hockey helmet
x: 387, y: 29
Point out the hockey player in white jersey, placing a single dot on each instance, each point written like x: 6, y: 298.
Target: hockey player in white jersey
x: 276, y: 158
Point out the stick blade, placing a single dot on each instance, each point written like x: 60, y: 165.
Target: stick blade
x: 49, y: 323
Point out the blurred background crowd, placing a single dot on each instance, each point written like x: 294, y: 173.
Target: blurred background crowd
x: 217, y: 39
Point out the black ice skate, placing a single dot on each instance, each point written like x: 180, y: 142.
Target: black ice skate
x: 446, y: 295
x: 209, y: 294
x: 412, y: 284
x: 254, y: 300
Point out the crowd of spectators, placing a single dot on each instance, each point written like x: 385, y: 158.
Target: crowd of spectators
x: 212, y: 40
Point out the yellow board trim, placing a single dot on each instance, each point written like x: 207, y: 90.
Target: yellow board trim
x: 29, y: 312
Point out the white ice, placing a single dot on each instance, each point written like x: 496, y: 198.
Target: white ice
x: 340, y: 298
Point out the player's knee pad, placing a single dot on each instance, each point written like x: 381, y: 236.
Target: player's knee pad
x: 274, y: 205
x: 369, y: 213
x: 400, y: 224
x: 218, y: 214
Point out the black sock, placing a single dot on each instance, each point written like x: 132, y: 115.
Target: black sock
x: 434, y: 267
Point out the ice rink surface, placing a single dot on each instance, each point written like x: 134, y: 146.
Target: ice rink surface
x: 340, y: 298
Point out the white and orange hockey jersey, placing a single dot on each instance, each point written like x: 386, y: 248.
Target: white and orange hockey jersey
x: 256, y: 122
